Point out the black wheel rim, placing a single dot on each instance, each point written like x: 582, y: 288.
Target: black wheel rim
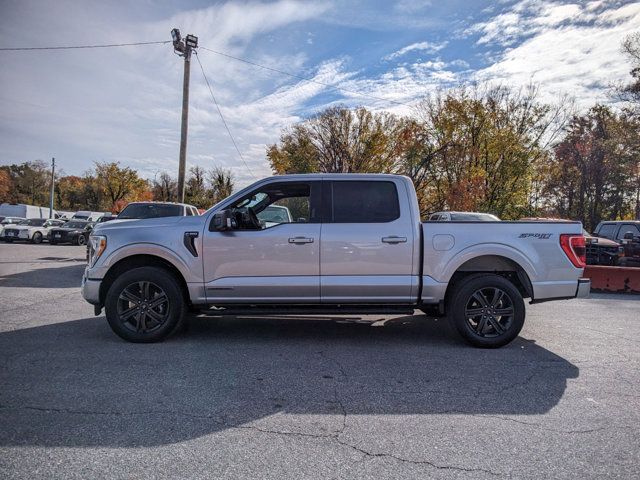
x: 80, y: 240
x: 489, y: 312
x: 143, y: 307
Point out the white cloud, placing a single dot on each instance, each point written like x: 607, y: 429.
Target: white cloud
x: 412, y: 6
x: 529, y: 17
x: 429, y: 47
x: 567, y: 49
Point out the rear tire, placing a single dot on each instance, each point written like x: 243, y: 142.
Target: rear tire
x: 487, y: 310
x: 37, y: 238
x: 145, y: 305
x: 53, y: 242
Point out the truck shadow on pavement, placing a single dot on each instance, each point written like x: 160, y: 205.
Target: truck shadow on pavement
x: 48, y: 277
x: 76, y: 384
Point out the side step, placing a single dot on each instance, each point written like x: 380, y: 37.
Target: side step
x: 308, y: 310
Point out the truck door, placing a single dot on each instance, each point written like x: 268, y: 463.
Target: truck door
x: 275, y: 261
x: 367, y: 243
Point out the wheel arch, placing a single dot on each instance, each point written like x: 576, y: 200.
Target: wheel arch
x: 495, y: 264
x: 136, y: 261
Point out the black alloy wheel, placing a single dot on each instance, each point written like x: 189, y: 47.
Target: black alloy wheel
x: 143, y: 307
x: 145, y: 304
x: 487, y: 310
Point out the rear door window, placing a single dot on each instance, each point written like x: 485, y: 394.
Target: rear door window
x: 608, y: 230
x: 364, y: 202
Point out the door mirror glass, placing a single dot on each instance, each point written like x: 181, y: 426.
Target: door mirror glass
x: 223, y: 221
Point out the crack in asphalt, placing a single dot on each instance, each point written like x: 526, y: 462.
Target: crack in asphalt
x: 542, y: 427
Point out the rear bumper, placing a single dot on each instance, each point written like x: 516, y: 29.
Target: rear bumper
x: 584, y: 287
x: 564, y: 290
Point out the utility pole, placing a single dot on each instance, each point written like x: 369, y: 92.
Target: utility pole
x: 184, y: 49
x: 53, y: 182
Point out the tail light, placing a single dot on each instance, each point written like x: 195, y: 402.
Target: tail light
x: 574, y: 248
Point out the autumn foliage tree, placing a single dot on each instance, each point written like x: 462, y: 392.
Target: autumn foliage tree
x: 466, y: 149
x: 594, y: 173
x: 338, y: 140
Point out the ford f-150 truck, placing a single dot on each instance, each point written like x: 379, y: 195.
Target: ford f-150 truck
x: 353, y: 243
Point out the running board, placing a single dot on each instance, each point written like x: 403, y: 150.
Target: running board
x: 308, y: 310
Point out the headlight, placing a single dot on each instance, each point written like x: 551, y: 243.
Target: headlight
x: 97, y: 245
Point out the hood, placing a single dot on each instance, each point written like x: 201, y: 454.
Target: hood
x: 68, y: 229
x: 138, y: 223
x: 605, y: 242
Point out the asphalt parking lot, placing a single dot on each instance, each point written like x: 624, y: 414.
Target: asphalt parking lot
x: 306, y: 397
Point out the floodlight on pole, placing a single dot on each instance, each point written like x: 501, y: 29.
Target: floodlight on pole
x: 184, y: 48
x: 191, y: 41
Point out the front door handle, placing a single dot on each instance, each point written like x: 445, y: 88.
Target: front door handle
x: 300, y: 240
x: 394, y: 239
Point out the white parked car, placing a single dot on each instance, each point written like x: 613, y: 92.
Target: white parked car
x: 32, y: 230
x: 4, y: 221
x: 89, y: 216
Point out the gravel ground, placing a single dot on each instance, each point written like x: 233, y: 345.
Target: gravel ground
x: 309, y: 397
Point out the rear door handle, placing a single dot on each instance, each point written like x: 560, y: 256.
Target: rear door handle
x: 394, y: 239
x: 300, y: 240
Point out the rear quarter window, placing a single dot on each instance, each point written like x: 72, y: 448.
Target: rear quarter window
x: 364, y: 202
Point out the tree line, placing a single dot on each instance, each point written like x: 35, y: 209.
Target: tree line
x: 490, y: 149
x: 109, y: 186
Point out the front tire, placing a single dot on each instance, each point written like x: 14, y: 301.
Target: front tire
x: 37, y: 238
x: 487, y: 310
x: 145, y: 305
x: 80, y: 240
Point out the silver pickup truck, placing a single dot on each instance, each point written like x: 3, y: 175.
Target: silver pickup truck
x: 353, y: 243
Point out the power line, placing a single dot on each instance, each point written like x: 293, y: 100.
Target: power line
x: 301, y: 77
x: 72, y: 47
x: 221, y: 116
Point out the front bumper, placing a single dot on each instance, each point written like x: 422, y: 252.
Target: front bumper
x: 584, y: 287
x: 90, y: 290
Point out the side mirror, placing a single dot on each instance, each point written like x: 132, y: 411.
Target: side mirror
x: 628, y: 236
x: 224, y: 221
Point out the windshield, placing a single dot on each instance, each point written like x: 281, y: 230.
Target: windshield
x: 75, y: 224
x: 33, y: 222
x: 150, y: 210
x: 275, y: 214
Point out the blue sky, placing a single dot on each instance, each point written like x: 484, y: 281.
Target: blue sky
x: 83, y: 106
